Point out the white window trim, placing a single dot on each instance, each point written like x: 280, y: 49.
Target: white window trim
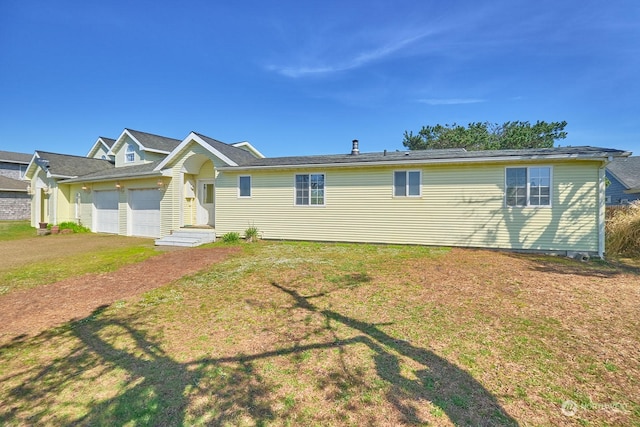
x: 250, y: 187
x: 528, y: 205
x: 309, y: 205
x: 127, y: 152
x: 413, y: 196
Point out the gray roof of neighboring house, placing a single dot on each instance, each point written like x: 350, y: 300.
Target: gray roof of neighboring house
x: 238, y: 155
x: 11, y: 157
x: 10, y: 184
x: 118, y: 173
x: 67, y: 165
x: 627, y: 171
x: 432, y: 155
x: 154, y: 142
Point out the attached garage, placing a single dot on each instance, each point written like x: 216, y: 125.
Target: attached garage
x: 144, y: 212
x: 106, y: 211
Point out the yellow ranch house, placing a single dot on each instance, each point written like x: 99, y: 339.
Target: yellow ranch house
x: 185, y: 192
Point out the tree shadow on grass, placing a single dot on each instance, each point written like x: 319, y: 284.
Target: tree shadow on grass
x: 128, y: 378
x: 454, y: 391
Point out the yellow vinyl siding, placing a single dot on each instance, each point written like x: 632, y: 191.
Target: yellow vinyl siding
x: 461, y: 205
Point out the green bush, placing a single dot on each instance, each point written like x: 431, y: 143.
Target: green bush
x: 77, y: 228
x: 231, y: 237
x: 251, y: 234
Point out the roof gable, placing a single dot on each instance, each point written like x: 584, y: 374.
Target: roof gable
x: 232, y: 156
x: 626, y: 171
x: 104, y: 142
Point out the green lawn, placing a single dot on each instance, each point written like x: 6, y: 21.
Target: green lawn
x: 342, y: 334
x: 14, y: 230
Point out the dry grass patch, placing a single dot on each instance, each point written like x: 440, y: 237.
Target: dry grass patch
x: 319, y: 334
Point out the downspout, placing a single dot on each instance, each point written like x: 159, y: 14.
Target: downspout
x: 602, y: 206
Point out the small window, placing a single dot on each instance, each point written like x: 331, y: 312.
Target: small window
x: 406, y: 183
x: 208, y: 193
x: 310, y: 189
x: 244, y: 186
x: 130, y: 155
x: 607, y: 200
x: 528, y: 186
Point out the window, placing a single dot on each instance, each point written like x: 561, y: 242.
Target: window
x: 130, y: 156
x: 310, y: 189
x: 406, y: 183
x: 244, y: 186
x: 23, y: 170
x: 528, y: 186
x: 207, y: 193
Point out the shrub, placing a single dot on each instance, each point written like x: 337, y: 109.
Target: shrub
x: 623, y: 230
x: 231, y: 237
x: 251, y: 234
x: 77, y: 228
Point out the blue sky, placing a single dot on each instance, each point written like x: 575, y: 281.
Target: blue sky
x: 307, y: 77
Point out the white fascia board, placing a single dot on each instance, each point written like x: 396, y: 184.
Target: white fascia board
x: 51, y: 175
x: 14, y: 161
x: 251, y: 148
x: 419, y: 161
x: 75, y: 179
x: 95, y: 147
x: 193, y: 137
x: 120, y: 140
x: 32, y: 164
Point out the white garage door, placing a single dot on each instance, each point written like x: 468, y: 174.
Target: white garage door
x: 106, y: 204
x: 145, y: 212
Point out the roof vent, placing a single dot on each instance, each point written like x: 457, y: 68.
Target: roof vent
x: 355, y: 150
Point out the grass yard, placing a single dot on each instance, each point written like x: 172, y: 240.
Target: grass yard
x: 28, y: 260
x: 340, y: 334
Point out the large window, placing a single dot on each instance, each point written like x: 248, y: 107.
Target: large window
x: 310, y: 189
x: 406, y: 183
x: 130, y: 155
x: 244, y: 186
x: 528, y: 186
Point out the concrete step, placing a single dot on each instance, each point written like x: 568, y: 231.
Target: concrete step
x: 187, y: 238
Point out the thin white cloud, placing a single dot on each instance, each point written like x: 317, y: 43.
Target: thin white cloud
x: 451, y: 101
x: 357, y: 60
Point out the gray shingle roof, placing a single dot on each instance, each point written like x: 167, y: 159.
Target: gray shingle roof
x: 10, y: 184
x: 238, y: 155
x: 118, y: 173
x: 627, y: 171
x: 108, y: 141
x: 11, y: 157
x: 67, y: 165
x: 154, y: 142
x: 431, y: 155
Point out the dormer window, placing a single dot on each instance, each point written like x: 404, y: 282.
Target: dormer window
x: 130, y: 155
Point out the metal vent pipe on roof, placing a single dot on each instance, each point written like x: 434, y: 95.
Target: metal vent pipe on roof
x: 355, y: 150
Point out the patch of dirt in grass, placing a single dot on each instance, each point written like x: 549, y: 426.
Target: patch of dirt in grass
x: 28, y: 312
x: 46, y: 248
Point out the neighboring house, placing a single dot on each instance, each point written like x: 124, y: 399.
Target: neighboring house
x: 14, y: 195
x: 624, y: 181
x: 539, y: 199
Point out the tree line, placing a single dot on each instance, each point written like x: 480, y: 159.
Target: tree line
x: 486, y: 136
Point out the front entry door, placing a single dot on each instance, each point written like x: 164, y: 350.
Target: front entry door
x: 206, y: 206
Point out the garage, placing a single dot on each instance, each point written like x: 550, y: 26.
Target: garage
x: 106, y: 211
x: 144, y: 211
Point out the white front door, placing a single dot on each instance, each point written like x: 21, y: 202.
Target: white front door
x: 206, y: 206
